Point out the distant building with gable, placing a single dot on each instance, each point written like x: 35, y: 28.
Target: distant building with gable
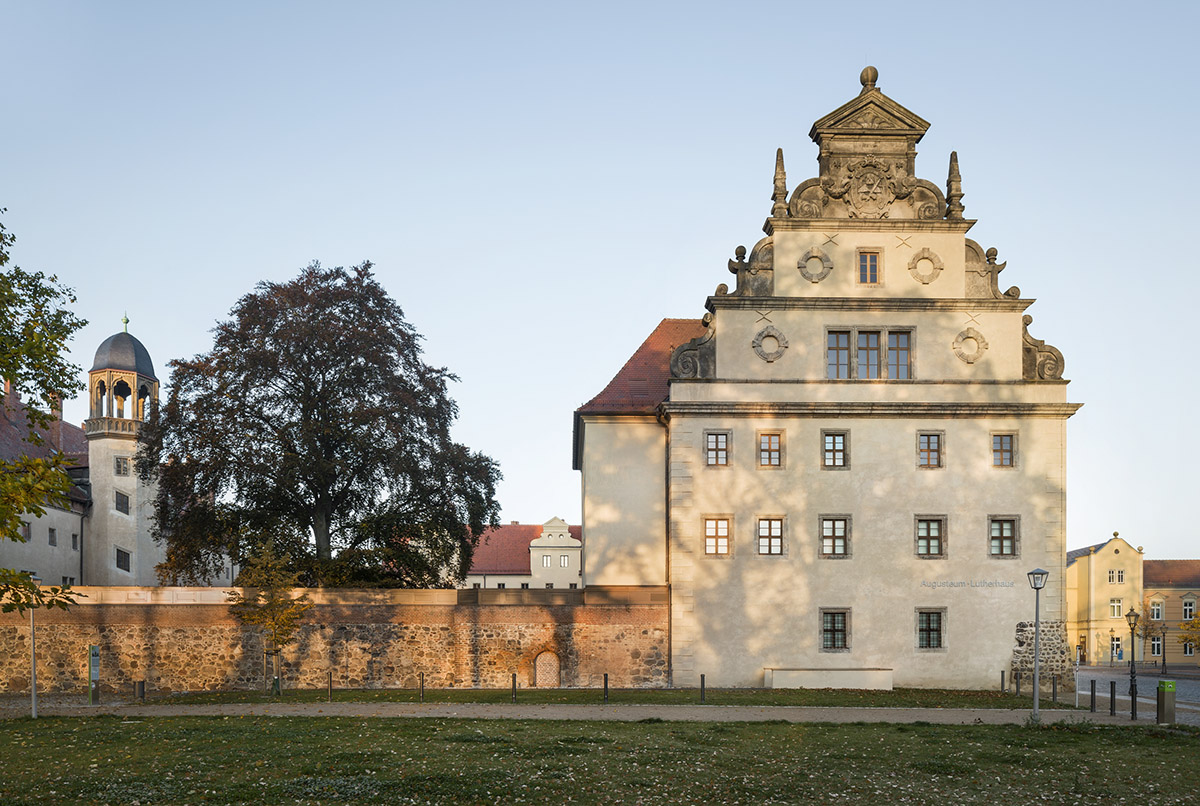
x: 519, y: 556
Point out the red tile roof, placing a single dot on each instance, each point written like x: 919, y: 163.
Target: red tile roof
x: 14, y: 428
x: 505, y: 549
x: 1171, y: 574
x: 642, y: 383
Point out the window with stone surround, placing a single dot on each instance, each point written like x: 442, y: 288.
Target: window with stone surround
x: 835, y: 450
x: 121, y: 465
x: 1189, y: 648
x: 1004, y: 450
x: 931, y: 536
x: 52, y: 536
x: 770, y: 535
x: 1156, y: 645
x: 1004, y: 540
x: 835, y: 630
x: 1114, y: 608
x: 770, y: 449
x: 867, y: 360
x: 1116, y: 576
x: 931, y: 628
x: 930, y: 445
x: 1156, y: 611
x: 716, y: 448
x: 1189, y: 609
x: 121, y: 502
x: 716, y: 536
x: 835, y: 536
x: 564, y: 561
x: 545, y: 561
x: 869, y: 266
x: 26, y: 531
x: 123, y: 559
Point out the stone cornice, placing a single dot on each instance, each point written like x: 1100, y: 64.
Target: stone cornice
x: 846, y: 409
x: 867, y: 304
x: 777, y: 224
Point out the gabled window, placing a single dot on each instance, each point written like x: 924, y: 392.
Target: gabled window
x: 1156, y: 611
x: 1189, y: 609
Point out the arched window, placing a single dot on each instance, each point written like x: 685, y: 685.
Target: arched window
x: 121, y: 393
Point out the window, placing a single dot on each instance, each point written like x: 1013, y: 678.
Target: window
x: 122, y: 503
x: 121, y: 465
x: 475, y: 585
x: 53, y: 535
x: 545, y: 561
x: 868, y: 268
x: 26, y: 531
x: 868, y: 360
x: 1156, y: 611
x: 929, y: 449
x: 1003, y: 450
x: 930, y: 533
x: 500, y: 586
x: 68, y: 581
x: 899, y: 366
x: 837, y: 354
x: 835, y: 453
x: 930, y: 629
x: 1114, y: 608
x: 1003, y: 537
x: 74, y: 542
x: 868, y: 354
x: 770, y: 449
x: 549, y: 585
x: 835, y: 630
x: 1116, y: 577
x: 770, y: 535
x: 835, y: 537
x: 123, y: 559
x: 1189, y: 609
x: 524, y: 586
x: 564, y: 561
x: 1156, y: 645
x: 716, y: 536
x: 1189, y: 648
x: 573, y: 585
x: 1120, y: 576
x: 1114, y: 646
x: 716, y: 449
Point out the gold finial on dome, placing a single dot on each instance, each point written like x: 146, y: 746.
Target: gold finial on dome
x: 125, y: 321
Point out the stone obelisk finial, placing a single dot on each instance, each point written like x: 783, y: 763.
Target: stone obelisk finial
x: 780, y: 208
x: 954, y: 193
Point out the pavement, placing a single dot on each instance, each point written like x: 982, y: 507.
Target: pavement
x: 71, y: 706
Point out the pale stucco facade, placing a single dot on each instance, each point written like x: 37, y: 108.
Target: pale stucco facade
x: 864, y: 387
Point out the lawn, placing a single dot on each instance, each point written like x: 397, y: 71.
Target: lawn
x: 193, y: 760
x: 834, y: 698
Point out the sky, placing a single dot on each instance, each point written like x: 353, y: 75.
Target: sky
x: 539, y: 184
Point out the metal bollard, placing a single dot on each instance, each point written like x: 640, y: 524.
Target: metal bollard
x: 1003, y: 689
x: 331, y: 687
x: 1166, y: 702
x: 422, y: 687
x: 514, y: 687
x: 1017, y: 683
x: 606, y: 688
x: 139, y: 690
x: 1112, y: 697
x: 1093, y: 707
x: 701, y: 688
x: 1054, y: 689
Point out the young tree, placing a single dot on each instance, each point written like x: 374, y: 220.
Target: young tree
x: 34, y: 327
x: 314, y: 419
x: 1189, y: 632
x: 265, y: 600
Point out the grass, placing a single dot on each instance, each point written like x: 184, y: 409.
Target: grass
x: 834, y: 698
x: 252, y: 760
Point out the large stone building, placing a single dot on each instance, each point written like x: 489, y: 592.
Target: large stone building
x: 845, y: 469
x: 102, y: 535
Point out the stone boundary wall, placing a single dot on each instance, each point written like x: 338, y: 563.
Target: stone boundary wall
x: 184, y: 639
x: 1056, y: 652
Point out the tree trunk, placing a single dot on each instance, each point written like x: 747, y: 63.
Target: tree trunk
x: 321, y: 534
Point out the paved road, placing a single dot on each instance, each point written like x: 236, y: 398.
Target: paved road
x: 1187, y: 692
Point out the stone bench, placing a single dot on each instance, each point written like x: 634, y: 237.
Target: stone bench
x: 776, y: 677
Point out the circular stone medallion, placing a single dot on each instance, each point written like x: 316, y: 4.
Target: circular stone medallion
x: 769, y: 344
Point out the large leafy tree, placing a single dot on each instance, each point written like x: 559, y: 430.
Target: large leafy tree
x: 314, y: 420
x: 35, y: 324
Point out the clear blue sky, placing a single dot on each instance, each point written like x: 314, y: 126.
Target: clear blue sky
x: 539, y: 184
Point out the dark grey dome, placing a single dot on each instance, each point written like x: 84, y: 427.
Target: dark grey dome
x: 122, y: 351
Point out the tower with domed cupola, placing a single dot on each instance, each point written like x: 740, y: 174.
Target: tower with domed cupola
x: 122, y: 389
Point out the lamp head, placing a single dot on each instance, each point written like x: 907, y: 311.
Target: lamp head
x: 1132, y: 617
x: 1037, y: 578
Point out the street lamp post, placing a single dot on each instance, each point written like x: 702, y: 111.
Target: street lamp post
x: 1037, y: 581
x: 1132, y: 618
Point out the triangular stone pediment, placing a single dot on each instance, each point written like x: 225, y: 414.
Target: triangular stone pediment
x: 871, y: 111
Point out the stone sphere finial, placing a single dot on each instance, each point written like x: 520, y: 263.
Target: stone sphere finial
x: 868, y: 77
x: 1116, y: 534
